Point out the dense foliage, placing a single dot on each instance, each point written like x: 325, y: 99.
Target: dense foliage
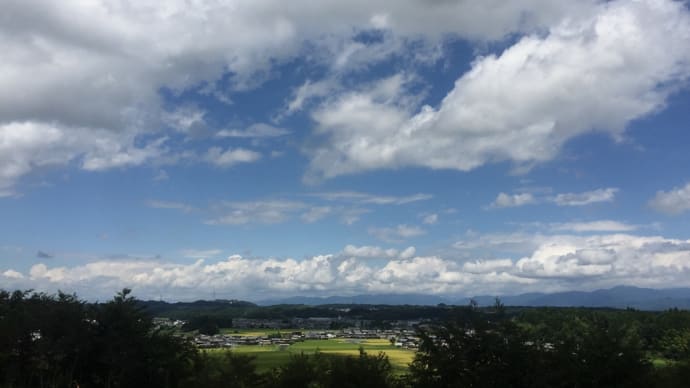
x: 490, y: 350
x: 60, y: 341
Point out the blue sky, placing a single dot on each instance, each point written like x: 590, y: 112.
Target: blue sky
x: 254, y: 149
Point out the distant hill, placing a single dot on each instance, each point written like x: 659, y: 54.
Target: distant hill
x: 616, y: 297
x: 373, y: 299
x: 200, y: 307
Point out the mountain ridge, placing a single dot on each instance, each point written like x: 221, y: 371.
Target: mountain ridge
x: 615, y: 297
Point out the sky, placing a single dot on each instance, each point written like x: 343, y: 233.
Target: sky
x: 257, y: 149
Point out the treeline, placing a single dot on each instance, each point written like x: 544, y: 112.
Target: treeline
x: 549, y: 348
x: 228, y: 309
x: 60, y: 341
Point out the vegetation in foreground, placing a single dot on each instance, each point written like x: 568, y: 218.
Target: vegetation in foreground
x: 60, y: 341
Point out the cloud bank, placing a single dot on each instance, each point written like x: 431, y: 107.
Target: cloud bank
x: 554, y: 263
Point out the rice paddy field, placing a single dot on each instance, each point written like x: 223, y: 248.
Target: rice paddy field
x: 268, y: 357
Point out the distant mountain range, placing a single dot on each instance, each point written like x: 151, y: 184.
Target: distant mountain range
x: 393, y: 299
x: 617, y: 297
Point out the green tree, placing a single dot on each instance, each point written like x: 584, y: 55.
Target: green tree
x: 476, y: 350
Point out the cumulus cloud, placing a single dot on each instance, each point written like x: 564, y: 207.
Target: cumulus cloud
x: 586, y: 198
x: 595, y: 71
x: 12, y: 274
x: 672, y: 202
x: 610, y: 259
x: 28, y: 145
x: 259, y: 278
x: 377, y: 252
x: 83, y: 79
x: 512, y: 200
x: 487, y: 266
x: 555, y: 263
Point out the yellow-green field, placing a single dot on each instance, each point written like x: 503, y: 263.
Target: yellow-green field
x: 268, y: 357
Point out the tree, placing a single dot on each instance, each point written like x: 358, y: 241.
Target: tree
x: 60, y: 341
x: 594, y: 351
x: 476, y: 350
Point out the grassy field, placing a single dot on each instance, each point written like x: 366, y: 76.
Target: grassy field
x: 268, y: 357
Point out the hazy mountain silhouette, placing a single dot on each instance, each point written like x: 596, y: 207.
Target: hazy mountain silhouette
x: 618, y: 297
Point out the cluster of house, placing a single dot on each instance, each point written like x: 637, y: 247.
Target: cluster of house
x: 307, y: 323
x: 402, y: 338
x: 229, y: 341
x: 314, y: 323
x: 168, y: 323
x: 401, y: 335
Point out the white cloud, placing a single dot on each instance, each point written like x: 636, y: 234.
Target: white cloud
x: 28, y: 145
x: 262, y: 212
x: 186, y: 119
x: 316, y: 213
x: 474, y: 244
x: 201, y: 254
x: 272, y: 211
x: 564, y: 199
x: 371, y: 199
x: 161, y: 175
x: 610, y: 259
x: 397, y: 233
x: 430, y: 219
x: 157, y: 204
x: 114, y: 155
x: 555, y: 263
x: 672, y: 202
x: 183, y: 207
x: 486, y: 266
x: 373, y: 252
x: 350, y: 216
x: 512, y: 200
x: 408, y: 253
x: 12, y: 274
x: 230, y: 157
x: 309, y: 91
x: 586, y: 198
x: 594, y: 226
x: 595, y: 71
x: 254, y: 131
x: 88, y: 75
